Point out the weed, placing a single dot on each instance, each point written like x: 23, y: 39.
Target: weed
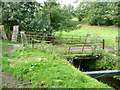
x: 106, y: 62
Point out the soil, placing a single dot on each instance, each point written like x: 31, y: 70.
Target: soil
x: 9, y: 81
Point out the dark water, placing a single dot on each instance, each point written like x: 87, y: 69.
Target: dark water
x: 110, y: 81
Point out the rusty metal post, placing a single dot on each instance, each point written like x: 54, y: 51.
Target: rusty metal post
x: 103, y: 44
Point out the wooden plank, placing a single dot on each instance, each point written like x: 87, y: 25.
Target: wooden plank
x: 87, y: 37
x: 32, y: 35
x: 73, y: 35
x: 70, y: 38
x: 37, y: 33
x: 41, y: 40
x: 67, y: 40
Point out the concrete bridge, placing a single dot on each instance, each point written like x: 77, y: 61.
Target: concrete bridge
x: 106, y: 73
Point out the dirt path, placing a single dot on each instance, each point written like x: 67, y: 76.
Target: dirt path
x: 9, y: 81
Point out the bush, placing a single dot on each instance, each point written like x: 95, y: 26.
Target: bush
x: 107, y: 61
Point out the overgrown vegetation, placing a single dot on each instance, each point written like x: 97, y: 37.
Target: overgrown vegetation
x: 42, y: 69
x: 106, y: 62
x: 45, y: 66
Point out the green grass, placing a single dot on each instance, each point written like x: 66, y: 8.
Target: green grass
x: 107, y: 33
x: 46, y: 68
x: 6, y: 41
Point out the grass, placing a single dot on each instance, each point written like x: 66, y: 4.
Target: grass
x: 107, y: 33
x: 6, y: 41
x: 43, y: 69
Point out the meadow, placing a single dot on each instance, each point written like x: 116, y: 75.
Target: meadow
x: 97, y: 32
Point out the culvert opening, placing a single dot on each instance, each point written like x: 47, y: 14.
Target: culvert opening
x: 83, y: 64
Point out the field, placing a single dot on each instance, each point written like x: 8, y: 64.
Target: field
x: 101, y: 32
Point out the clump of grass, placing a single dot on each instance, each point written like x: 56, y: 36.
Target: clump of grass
x: 6, y: 41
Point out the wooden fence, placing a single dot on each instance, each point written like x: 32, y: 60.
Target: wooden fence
x: 117, y: 46
x: 59, y: 39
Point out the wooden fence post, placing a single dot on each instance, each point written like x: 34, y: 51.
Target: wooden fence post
x: 23, y: 38
x: 15, y: 33
x: 2, y: 33
x: 118, y: 44
x: 103, y: 44
x: 87, y: 40
x: 117, y: 47
x: 32, y: 43
x: 29, y: 37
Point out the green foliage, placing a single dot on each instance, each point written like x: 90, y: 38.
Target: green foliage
x: 107, y: 61
x: 19, y: 13
x: 6, y: 41
x: 30, y: 16
x: 98, y: 13
x: 54, y: 17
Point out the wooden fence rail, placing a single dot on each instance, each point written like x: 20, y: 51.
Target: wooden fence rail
x: 72, y: 40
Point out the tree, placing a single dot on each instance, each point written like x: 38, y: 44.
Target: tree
x: 19, y: 13
x: 59, y: 18
x: 98, y: 13
x: 31, y: 16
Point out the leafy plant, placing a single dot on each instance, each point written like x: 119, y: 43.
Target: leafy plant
x: 107, y: 61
